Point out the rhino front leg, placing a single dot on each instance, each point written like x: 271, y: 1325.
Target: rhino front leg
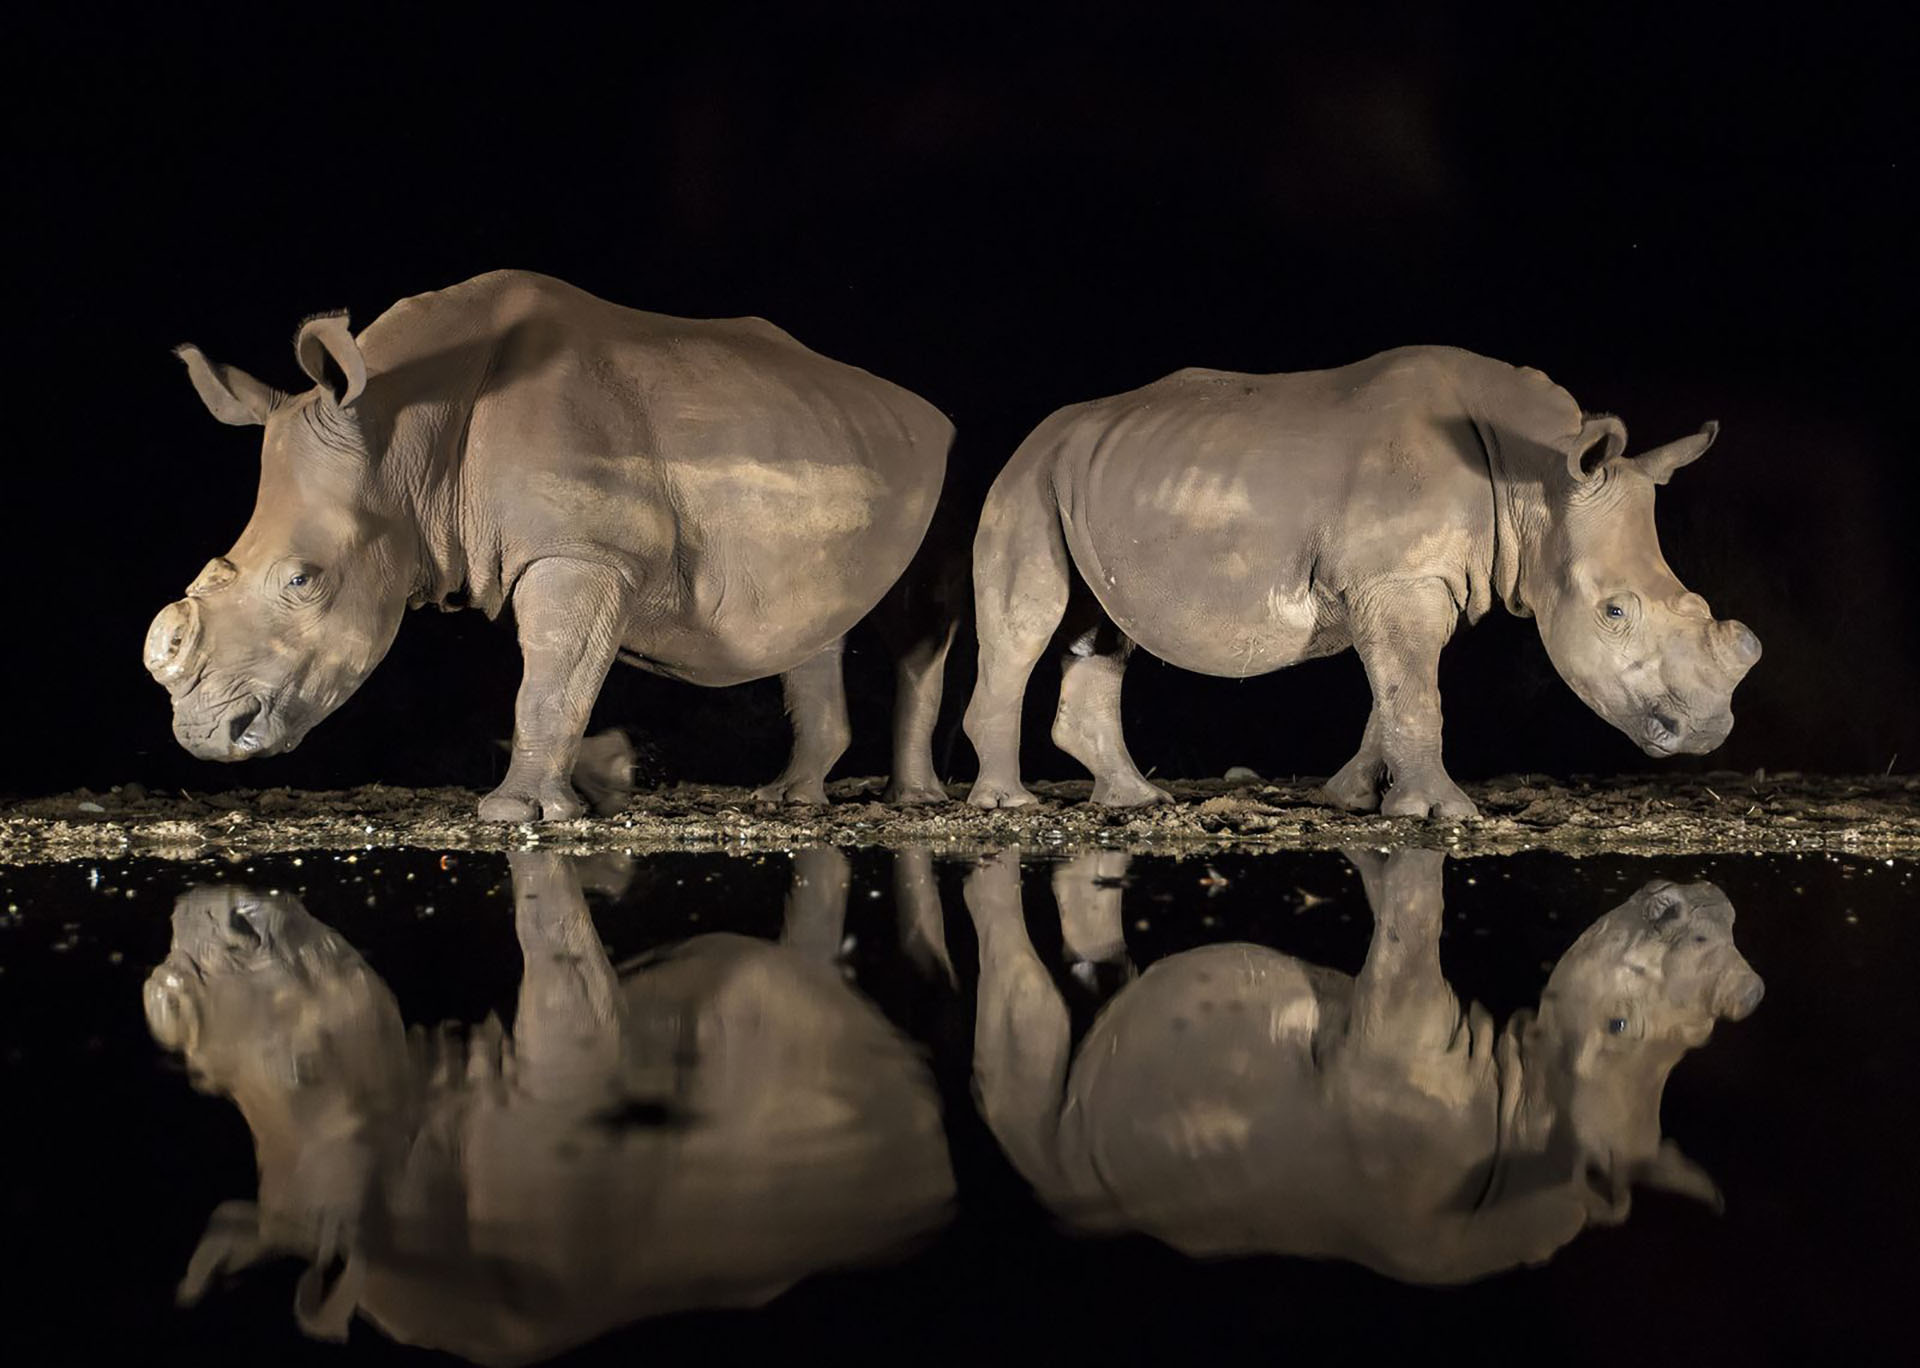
x: 816, y: 911
x: 1399, y: 629
x: 816, y: 694
x: 1402, y: 1006
x: 567, y: 1026
x: 570, y: 616
x: 1357, y: 786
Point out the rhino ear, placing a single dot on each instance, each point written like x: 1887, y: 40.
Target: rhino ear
x: 232, y: 1242
x: 230, y: 394
x: 331, y: 358
x: 1602, y: 438
x: 1671, y: 1171
x: 1660, y: 463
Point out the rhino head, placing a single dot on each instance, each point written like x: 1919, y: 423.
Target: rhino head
x: 278, y: 632
x: 273, y: 1009
x: 277, y: 1012
x: 1622, y: 630
x: 1637, y: 990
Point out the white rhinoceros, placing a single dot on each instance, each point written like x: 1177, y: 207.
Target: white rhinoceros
x: 1234, y: 524
x: 705, y: 499
x: 1235, y: 1100
x: 703, y: 1129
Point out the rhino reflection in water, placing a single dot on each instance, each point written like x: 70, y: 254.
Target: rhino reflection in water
x: 1234, y: 1100
x: 702, y: 1131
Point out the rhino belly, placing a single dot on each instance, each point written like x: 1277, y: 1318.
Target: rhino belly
x: 1199, y: 1094
x: 1234, y: 598
x: 758, y: 605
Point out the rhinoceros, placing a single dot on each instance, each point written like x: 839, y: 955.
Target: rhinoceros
x: 1235, y: 524
x: 703, y: 1129
x: 705, y: 499
x: 1234, y: 1100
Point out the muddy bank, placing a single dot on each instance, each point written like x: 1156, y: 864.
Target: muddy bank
x: 1715, y: 812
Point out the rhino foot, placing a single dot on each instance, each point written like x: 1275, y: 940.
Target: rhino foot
x: 1443, y: 799
x: 783, y: 790
x: 906, y: 794
x: 988, y: 794
x: 1353, y: 791
x: 512, y: 803
x: 1128, y: 790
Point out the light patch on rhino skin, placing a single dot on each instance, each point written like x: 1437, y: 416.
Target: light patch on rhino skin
x: 1296, y: 1017
x: 1205, y: 1127
x: 796, y: 500
x: 1204, y: 501
x: 1293, y: 609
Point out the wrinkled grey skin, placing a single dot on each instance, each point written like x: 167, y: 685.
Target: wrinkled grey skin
x: 703, y: 1131
x: 1234, y: 1100
x: 708, y: 500
x: 1234, y: 524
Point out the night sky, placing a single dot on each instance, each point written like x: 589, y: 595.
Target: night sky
x: 1676, y: 220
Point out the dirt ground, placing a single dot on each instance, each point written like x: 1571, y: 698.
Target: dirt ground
x: 1635, y: 815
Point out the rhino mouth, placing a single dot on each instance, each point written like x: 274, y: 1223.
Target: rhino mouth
x: 1660, y: 735
x: 1663, y: 733
x: 242, y: 728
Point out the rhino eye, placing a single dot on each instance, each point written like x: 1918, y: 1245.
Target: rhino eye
x: 296, y: 581
x: 1614, y: 610
x: 1617, y: 1026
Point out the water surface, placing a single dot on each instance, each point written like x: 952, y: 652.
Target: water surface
x: 883, y: 1106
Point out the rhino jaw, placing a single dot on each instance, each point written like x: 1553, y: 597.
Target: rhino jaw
x: 246, y: 727
x: 1661, y: 734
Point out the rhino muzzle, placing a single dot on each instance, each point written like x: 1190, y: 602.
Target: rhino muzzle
x: 1662, y: 734
x: 1737, y: 648
x: 173, y: 644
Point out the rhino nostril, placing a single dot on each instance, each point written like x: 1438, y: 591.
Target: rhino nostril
x: 1742, y: 647
x: 1746, y: 999
x: 240, y: 722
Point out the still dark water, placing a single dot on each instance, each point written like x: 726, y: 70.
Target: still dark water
x: 892, y: 1107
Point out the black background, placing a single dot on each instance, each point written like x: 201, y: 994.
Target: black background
x: 1678, y: 218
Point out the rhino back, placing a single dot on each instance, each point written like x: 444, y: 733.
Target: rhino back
x: 1221, y: 517
x: 763, y: 497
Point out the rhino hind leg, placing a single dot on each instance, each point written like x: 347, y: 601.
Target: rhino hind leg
x: 1399, y: 629
x: 1086, y: 725
x: 1021, y: 575
x: 917, y: 621
x: 816, y: 698
x: 569, y: 615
